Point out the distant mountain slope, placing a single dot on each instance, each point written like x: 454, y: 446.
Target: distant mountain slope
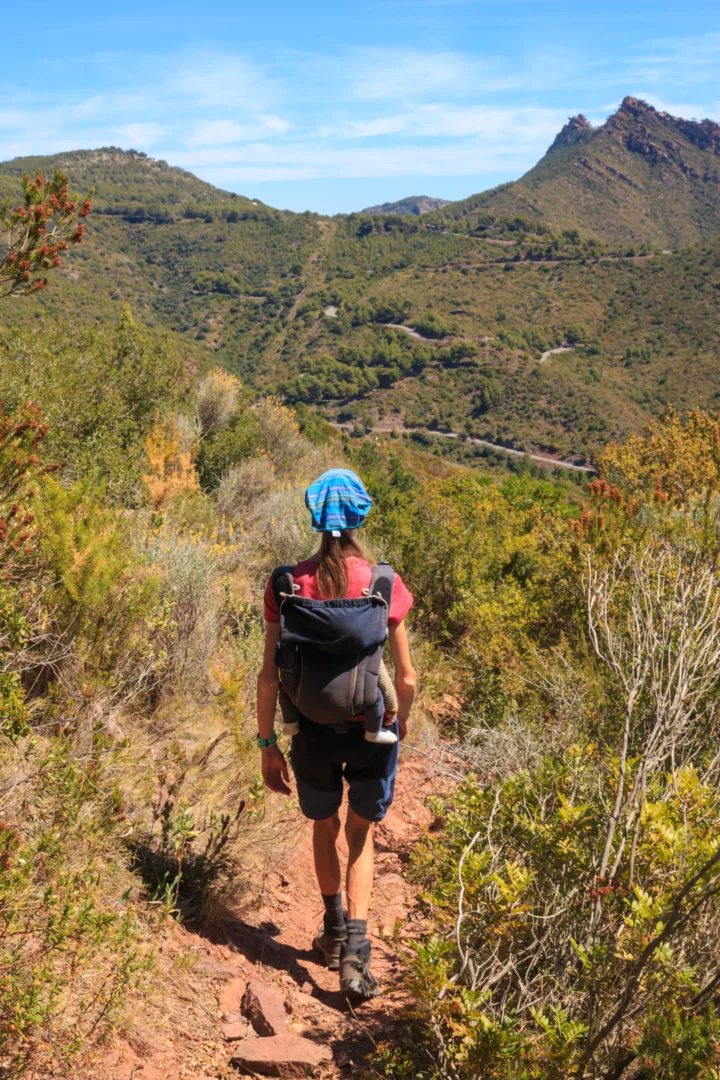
x: 556, y: 355
x: 413, y: 204
x: 643, y: 177
x: 214, y: 266
x: 464, y: 327
x: 126, y: 182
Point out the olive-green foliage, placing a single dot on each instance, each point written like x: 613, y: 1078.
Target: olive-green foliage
x: 249, y: 284
x: 323, y: 377
x: 479, y: 557
x: 207, y: 264
x: 220, y: 450
x: 69, y: 943
x: 102, y: 609
x: 575, y: 881
x: 21, y: 470
x: 14, y: 631
x: 312, y: 426
x: 100, y: 388
x: 431, y: 325
x: 529, y: 873
x: 615, y: 182
x: 85, y: 549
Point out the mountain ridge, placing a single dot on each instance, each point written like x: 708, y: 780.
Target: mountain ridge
x: 411, y: 204
x: 530, y: 315
x: 642, y: 176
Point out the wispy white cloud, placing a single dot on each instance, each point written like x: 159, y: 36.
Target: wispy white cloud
x: 140, y: 136
x: 374, y: 112
x: 688, y: 52
x: 388, y: 74
x: 214, y: 80
x: 664, y: 62
x: 275, y: 123
x: 308, y: 159
x: 444, y: 121
x: 226, y: 132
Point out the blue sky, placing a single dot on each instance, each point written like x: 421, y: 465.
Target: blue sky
x: 333, y: 107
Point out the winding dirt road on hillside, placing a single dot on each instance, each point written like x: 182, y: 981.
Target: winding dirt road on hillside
x: 540, y: 458
x: 552, y: 352
x: 410, y: 330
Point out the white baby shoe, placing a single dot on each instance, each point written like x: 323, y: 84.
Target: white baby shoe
x: 384, y: 736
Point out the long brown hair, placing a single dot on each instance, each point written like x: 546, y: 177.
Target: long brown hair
x: 332, y: 575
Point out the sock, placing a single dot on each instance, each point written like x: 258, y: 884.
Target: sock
x: 357, y: 934
x: 334, y: 912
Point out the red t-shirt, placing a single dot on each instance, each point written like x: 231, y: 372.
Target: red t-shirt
x: 359, y: 575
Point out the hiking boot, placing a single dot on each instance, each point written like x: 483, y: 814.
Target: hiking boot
x: 329, y: 942
x: 356, y: 979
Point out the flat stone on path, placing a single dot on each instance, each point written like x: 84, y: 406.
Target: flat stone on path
x: 235, y: 1030
x: 265, y: 1009
x: 231, y: 995
x: 285, y: 1056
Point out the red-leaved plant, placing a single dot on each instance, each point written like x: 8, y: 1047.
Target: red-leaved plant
x: 33, y: 237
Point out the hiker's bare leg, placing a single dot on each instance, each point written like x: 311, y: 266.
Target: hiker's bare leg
x: 359, y: 884
x: 327, y: 864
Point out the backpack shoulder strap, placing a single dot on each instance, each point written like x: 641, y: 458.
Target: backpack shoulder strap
x: 282, y: 582
x: 383, y: 577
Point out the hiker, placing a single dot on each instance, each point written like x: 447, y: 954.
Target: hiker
x: 327, y: 620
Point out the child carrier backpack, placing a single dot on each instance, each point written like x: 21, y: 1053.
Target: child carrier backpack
x: 329, y: 652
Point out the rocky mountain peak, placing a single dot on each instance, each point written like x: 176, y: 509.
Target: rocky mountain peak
x: 665, y: 139
x: 576, y: 128
x: 636, y: 106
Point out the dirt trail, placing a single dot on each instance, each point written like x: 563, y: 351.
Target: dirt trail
x: 177, y: 1032
x: 541, y: 459
x: 406, y: 330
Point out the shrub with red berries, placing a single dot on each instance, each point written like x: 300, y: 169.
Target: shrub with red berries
x: 38, y: 232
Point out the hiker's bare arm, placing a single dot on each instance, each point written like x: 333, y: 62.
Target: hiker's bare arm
x: 273, y: 765
x: 404, y: 674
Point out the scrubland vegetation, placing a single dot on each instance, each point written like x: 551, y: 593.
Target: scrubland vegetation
x: 573, y: 889
x: 575, y: 882
x: 130, y: 637
x: 150, y: 482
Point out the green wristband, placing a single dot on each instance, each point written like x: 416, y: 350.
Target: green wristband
x: 264, y: 743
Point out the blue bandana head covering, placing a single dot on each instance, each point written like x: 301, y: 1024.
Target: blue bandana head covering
x: 337, y: 500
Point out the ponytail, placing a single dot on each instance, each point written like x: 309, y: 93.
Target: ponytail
x: 332, y: 575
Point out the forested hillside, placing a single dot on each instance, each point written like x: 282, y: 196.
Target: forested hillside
x: 500, y: 317
x: 186, y: 256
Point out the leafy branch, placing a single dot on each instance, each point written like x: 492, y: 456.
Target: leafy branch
x: 34, y: 236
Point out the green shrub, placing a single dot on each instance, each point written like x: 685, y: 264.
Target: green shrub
x: 220, y: 450
x: 575, y: 883
x: 536, y: 971
x: 431, y: 325
x: 100, y: 389
x: 69, y: 947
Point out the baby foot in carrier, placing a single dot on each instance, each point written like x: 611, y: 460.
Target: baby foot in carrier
x: 293, y: 728
x: 384, y: 736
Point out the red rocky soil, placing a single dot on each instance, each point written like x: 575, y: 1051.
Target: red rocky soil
x: 199, y: 1011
